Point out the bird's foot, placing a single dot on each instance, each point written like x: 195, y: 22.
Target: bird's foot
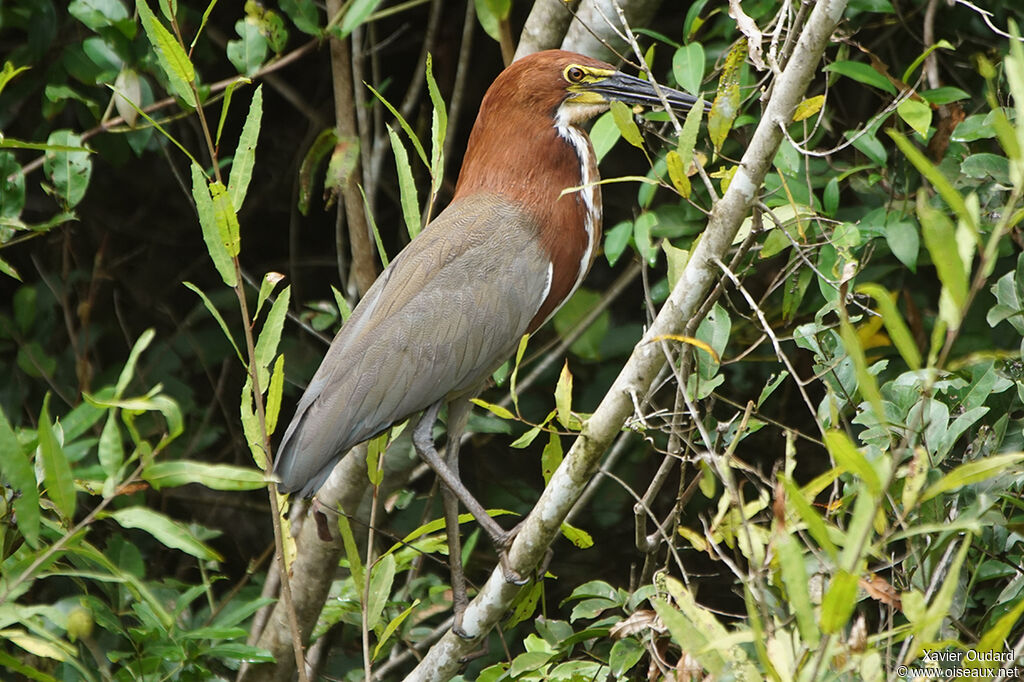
x: 502, y: 543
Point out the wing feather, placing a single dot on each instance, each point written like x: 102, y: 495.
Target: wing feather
x: 447, y: 311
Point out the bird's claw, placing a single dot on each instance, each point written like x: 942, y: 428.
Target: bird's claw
x: 503, y: 543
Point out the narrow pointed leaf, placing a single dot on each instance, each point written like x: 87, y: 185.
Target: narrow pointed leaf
x: 168, y: 532
x: 171, y: 55
x: 133, y: 358
x: 16, y: 469
x: 211, y: 235
x: 60, y: 486
x: 245, y: 152
x: 406, y: 185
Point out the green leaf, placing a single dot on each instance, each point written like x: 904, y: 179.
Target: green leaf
x: 318, y: 150
x: 250, y: 424
x: 60, y: 486
x: 16, y: 469
x: 862, y: 73
x: 111, y: 447
x: 616, y: 240
x: 727, y: 98
x: 405, y: 125
x: 381, y: 578
x: 245, y: 152
x: 939, y: 181
x: 815, y: 524
x: 848, y: 457
x: 274, y: 393
x: 940, y: 240
x: 688, y: 67
x: 392, y: 627
x: 677, y: 173
x: 168, y: 532
x: 894, y: 324
x: 839, y: 602
x: 984, y: 165
x: 438, y: 131
x: 994, y: 637
x: 623, y: 117
x: 212, y: 309
x: 642, y: 228
x: 171, y: 55
x: 866, y: 383
x: 8, y: 269
x: 226, y: 215
x: 688, y: 137
x: 563, y: 397
x: 904, y: 241
x: 917, y: 115
x: 625, y: 654
x: 344, y: 309
x: 343, y: 162
x: 551, y: 457
x: 215, y: 246
x: 247, y: 53
x: 496, y: 410
x: 943, y: 95
x: 490, y: 14
x: 677, y: 259
x: 357, y: 13
x: 69, y: 171
x: 128, y: 371
x: 270, y: 280
x: 12, y: 186
x: 604, y: 134
x: 794, y: 576
x: 270, y: 336
x: 172, y: 474
x: 381, y: 251
x: 927, y: 626
x: 525, y: 439
x: 407, y: 186
x: 580, y: 538
x: 943, y: 44
x: 773, y: 383
x: 973, y: 472
x: 10, y: 72
x: 830, y: 198
x: 304, y: 14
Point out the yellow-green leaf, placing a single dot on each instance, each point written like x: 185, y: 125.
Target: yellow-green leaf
x: 809, y: 107
x: 727, y: 98
x: 169, y: 52
x: 623, y: 116
x: 972, y: 472
x: 563, y: 397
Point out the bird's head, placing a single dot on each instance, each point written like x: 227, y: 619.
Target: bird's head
x: 573, y: 88
x: 532, y: 103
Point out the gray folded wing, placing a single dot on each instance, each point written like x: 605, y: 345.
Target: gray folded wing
x: 447, y: 311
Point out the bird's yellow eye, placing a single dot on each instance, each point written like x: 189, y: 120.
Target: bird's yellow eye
x: 574, y: 74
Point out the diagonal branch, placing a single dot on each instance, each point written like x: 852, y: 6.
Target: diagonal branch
x: 541, y: 527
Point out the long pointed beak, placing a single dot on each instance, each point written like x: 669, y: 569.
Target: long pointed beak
x: 632, y: 90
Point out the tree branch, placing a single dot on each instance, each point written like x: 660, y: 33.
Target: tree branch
x: 541, y: 527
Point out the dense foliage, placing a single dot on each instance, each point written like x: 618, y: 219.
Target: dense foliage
x: 825, y: 483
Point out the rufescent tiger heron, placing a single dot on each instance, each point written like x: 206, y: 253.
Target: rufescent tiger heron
x: 508, y: 250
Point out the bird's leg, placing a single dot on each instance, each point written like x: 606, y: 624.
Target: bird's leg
x: 423, y: 441
x: 456, y: 425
